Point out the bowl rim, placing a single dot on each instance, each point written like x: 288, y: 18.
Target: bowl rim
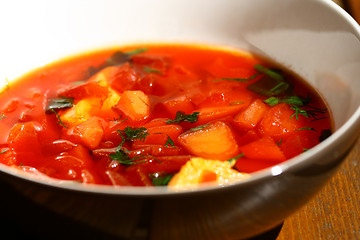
x: 298, y: 162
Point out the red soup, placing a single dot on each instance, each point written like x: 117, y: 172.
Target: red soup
x: 158, y: 115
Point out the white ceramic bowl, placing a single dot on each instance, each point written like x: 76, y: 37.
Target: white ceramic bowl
x: 314, y: 38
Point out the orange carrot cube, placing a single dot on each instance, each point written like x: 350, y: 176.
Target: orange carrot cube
x: 252, y: 115
x: 88, y: 133
x: 182, y: 103
x: 215, y: 141
x: 134, y: 104
x: 263, y: 149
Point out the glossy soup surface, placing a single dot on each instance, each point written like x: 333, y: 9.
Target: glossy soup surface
x: 158, y: 115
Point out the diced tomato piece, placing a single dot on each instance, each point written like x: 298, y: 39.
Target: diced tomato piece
x: 117, y: 179
x: 134, y: 104
x: 248, y: 137
x: 153, y: 62
x: 124, y: 77
x: 252, y: 115
x: 227, y: 97
x: 11, y: 106
x: 279, y: 122
x: 156, y: 122
x: 226, y: 68
x: 88, y: 133
x: 85, y: 90
x: 24, y: 138
x: 180, y: 103
x: 159, y: 135
x: 264, y: 149
x: 57, y: 147
x: 90, y: 177
x: 157, y: 150
x: 138, y: 175
x: 293, y: 145
x: 215, y: 141
x: 209, y: 114
x: 247, y: 165
x: 7, y: 157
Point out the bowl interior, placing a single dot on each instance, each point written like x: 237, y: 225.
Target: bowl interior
x: 322, y: 45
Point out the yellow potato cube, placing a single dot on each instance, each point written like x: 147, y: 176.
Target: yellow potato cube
x: 199, y: 170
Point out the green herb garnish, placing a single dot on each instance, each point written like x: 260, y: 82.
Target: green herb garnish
x: 198, y: 128
x: 269, y: 72
x: 279, y: 143
x: 2, y: 116
x: 182, y: 117
x: 4, y: 151
x: 132, y: 133
x: 59, y: 119
x: 122, y: 157
x: 152, y: 70
x: 58, y: 103
x: 169, y: 142
x: 232, y: 160
x: 160, y: 179
x: 136, y: 51
x: 305, y: 128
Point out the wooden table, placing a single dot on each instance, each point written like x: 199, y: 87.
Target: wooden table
x: 335, y: 212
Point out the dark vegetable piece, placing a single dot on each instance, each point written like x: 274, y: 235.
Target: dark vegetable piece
x: 267, y: 86
x: 116, y: 59
x: 58, y: 103
x: 182, y: 117
x: 271, y: 84
x: 324, y: 134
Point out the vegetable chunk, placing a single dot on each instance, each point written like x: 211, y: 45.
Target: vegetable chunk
x: 135, y: 104
x: 214, y: 141
x: 200, y: 170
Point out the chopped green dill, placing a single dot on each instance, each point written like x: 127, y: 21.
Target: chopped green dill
x: 292, y: 100
x: 136, y: 51
x: 160, y: 179
x: 305, y: 149
x: 237, y: 79
x: 280, y: 84
x: 152, y: 70
x: 132, y: 133
x: 305, y: 128
x: 4, y: 151
x: 58, y: 103
x: 298, y: 111
x: 279, y: 143
x: 59, y: 119
x: 269, y: 72
x: 21, y: 164
x: 143, y: 101
x: 2, y: 116
x: 232, y: 160
x: 272, y: 101
x: 169, y: 142
x: 122, y: 157
x: 182, y: 117
x: 118, y: 120
x: 78, y: 82
x: 198, y: 128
